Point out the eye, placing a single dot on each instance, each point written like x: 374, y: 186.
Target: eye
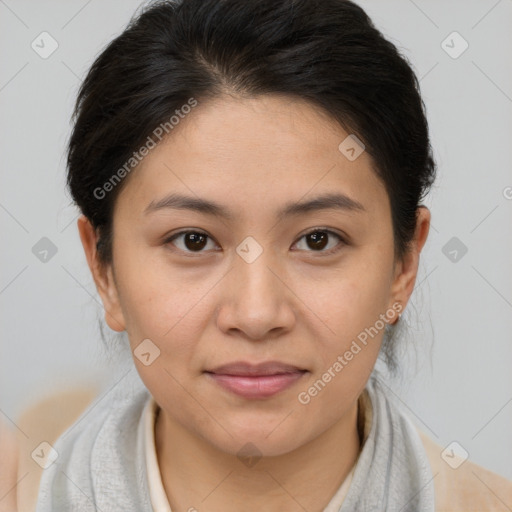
x: 190, y: 241
x: 321, y: 240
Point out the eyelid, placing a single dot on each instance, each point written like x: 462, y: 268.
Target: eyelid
x: 326, y: 230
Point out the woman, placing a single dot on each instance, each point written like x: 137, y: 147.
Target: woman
x: 255, y: 331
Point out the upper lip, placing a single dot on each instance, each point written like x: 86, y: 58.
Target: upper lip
x: 246, y: 368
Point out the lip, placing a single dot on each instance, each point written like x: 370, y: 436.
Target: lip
x: 256, y: 381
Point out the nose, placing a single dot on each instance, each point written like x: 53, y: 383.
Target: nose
x: 257, y: 302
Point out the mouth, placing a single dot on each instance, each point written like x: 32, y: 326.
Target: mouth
x: 256, y: 381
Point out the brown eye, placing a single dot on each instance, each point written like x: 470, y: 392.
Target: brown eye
x: 195, y: 241
x: 320, y: 240
x: 190, y: 241
x: 317, y: 240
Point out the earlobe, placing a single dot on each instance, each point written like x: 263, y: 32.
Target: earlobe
x: 407, y: 269
x: 102, y: 275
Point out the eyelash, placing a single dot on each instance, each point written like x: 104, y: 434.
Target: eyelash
x: 331, y: 251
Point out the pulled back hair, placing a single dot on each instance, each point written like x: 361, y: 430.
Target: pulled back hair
x: 327, y: 52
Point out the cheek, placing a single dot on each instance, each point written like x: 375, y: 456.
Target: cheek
x: 160, y: 303
x: 350, y: 298
x: 350, y: 303
x: 166, y: 309
x: 352, y: 307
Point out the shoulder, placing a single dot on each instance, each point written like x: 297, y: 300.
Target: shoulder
x: 75, y: 426
x: 44, y: 422
x: 464, y: 486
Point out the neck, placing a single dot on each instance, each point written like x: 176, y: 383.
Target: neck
x: 196, y: 475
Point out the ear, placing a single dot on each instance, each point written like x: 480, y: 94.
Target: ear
x: 406, y: 269
x: 102, y: 275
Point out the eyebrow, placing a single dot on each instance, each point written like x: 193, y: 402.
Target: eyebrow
x: 323, y: 202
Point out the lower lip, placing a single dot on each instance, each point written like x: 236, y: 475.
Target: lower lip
x: 260, y: 386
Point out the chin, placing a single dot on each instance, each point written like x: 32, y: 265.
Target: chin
x: 255, y: 443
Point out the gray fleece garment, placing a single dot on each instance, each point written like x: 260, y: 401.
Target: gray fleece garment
x: 101, y: 465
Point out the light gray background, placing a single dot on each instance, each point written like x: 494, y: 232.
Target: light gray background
x: 456, y: 384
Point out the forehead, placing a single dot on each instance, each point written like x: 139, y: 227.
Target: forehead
x: 242, y: 151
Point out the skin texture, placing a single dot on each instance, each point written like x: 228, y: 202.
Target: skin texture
x: 294, y: 303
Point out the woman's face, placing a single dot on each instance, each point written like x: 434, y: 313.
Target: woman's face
x: 255, y: 176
